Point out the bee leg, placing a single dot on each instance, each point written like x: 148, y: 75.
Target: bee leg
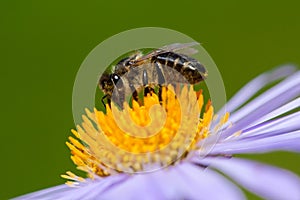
x: 160, y: 76
x: 160, y: 93
x: 102, y: 100
x: 134, y: 92
x: 109, y: 102
x: 145, y: 78
x: 107, y: 99
x: 135, y: 96
x: 161, y: 80
x: 147, y: 88
x: 119, y: 97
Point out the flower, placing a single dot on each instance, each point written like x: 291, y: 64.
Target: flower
x: 182, y: 160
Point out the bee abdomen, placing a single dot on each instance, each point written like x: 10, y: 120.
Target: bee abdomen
x: 170, y: 59
x: 189, y: 67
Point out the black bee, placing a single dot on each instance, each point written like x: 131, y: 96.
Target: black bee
x: 159, y: 67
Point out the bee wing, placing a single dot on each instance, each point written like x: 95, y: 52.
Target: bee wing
x: 187, y: 51
x: 182, y: 48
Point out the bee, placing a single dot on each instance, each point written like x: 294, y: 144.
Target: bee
x: 167, y: 65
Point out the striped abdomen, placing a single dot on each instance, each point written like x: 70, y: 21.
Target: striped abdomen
x: 190, y: 68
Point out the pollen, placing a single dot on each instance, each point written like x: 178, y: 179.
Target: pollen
x: 142, y: 137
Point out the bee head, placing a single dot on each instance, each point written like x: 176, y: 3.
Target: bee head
x: 105, y: 82
x: 108, y: 81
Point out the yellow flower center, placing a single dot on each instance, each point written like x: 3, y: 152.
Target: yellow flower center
x: 144, y: 137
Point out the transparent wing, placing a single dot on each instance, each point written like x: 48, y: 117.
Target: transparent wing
x: 182, y: 48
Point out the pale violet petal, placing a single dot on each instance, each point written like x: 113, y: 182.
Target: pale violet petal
x: 49, y: 193
x: 64, y: 192
x: 208, y: 184
x: 183, y: 181
x: 262, y: 105
x: 280, y: 111
x: 266, y: 181
x: 277, y: 126
x: 251, y: 88
x: 289, y: 83
x: 250, y: 140
x: 286, y: 142
x: 139, y: 186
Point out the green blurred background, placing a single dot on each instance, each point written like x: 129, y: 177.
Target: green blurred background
x: 43, y: 44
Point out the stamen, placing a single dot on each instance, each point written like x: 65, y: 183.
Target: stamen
x: 142, y: 137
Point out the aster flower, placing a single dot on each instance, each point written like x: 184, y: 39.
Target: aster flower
x: 183, y: 160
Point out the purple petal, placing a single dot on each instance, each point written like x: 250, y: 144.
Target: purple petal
x: 276, y: 91
x: 183, y: 181
x: 266, y: 181
x: 206, y: 182
x: 264, y: 104
x: 90, y: 187
x: 139, y: 186
x: 255, y: 85
x: 252, y: 139
x: 278, y: 126
x: 287, y: 142
x: 280, y: 111
x: 49, y: 193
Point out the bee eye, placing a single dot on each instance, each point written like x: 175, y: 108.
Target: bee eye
x: 115, y: 78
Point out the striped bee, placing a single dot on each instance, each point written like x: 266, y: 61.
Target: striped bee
x: 167, y: 65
